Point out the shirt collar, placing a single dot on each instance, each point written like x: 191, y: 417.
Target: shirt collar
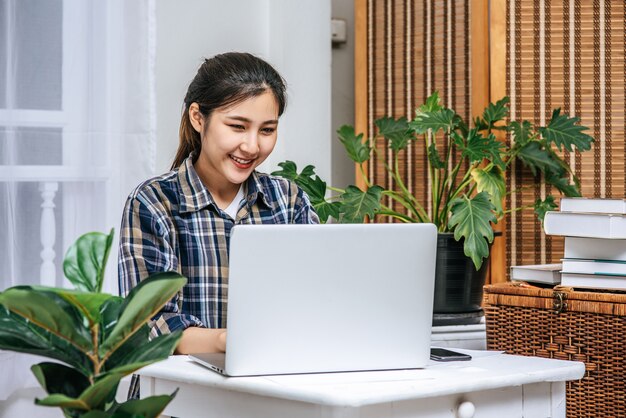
x: 195, y: 195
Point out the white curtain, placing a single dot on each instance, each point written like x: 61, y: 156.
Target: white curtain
x: 77, y: 133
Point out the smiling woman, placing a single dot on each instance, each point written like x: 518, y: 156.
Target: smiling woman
x: 181, y: 221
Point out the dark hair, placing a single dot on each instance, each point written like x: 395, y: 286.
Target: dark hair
x: 224, y: 80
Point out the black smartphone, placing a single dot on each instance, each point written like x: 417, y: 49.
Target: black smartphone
x: 441, y: 354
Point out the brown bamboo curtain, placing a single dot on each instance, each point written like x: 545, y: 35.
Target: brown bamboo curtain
x: 567, y: 54
x: 544, y: 54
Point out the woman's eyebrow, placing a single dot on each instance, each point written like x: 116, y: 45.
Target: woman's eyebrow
x: 247, y: 120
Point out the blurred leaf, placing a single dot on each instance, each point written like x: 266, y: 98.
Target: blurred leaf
x: 563, y: 132
x: 536, y: 158
x: 141, y: 304
x: 135, y: 353
x: 109, y: 313
x: 478, y: 148
x: 521, y: 132
x: 397, y: 132
x: 496, y: 112
x: 356, y: 148
x: 85, y: 261
x: 58, y: 378
x: 471, y: 221
x: 62, y: 401
x: 87, y: 303
x: 358, y: 204
x: 491, y: 181
x: 148, y: 407
x: 541, y: 207
x: 327, y: 210
x: 48, y: 311
x: 432, y: 104
x: 443, y: 119
x: 563, y: 185
x: 433, y: 157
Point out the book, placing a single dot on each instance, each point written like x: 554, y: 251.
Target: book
x: 596, y: 267
x: 539, y: 273
x: 590, y: 225
x: 595, y: 248
x: 593, y: 281
x: 584, y: 204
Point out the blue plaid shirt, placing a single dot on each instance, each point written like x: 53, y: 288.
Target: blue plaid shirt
x: 171, y: 223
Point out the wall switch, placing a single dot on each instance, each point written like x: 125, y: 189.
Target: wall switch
x: 339, y: 30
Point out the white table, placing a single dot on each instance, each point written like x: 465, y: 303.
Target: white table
x: 492, y: 384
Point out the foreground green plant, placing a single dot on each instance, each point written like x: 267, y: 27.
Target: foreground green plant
x: 463, y: 202
x: 97, y: 337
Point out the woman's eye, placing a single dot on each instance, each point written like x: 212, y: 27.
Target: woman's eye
x: 268, y: 131
x: 237, y: 127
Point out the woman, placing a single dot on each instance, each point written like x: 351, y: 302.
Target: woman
x: 181, y: 221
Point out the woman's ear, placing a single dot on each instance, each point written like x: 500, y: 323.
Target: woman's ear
x: 195, y: 117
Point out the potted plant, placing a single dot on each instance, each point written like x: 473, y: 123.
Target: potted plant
x: 465, y: 202
x: 96, y: 338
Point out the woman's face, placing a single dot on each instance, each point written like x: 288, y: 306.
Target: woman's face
x: 237, y: 139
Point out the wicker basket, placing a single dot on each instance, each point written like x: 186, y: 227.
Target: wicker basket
x: 570, y: 325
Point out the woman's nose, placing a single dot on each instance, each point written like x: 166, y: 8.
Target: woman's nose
x: 250, y: 144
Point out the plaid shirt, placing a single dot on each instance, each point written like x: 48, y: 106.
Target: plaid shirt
x: 171, y: 223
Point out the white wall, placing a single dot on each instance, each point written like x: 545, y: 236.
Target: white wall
x: 294, y: 36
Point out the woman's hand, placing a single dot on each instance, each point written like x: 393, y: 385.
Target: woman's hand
x: 202, y: 340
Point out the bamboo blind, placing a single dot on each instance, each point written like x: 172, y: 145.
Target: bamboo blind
x: 567, y: 54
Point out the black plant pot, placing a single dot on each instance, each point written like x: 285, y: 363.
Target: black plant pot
x: 458, y: 285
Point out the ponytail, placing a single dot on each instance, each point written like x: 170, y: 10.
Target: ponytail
x: 189, y: 140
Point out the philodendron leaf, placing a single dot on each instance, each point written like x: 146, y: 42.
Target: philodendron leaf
x: 327, y: 210
x: 135, y: 353
x: 443, y: 119
x: 495, y: 112
x: 58, y: 378
x: 563, y: 132
x: 150, y: 407
x: 19, y: 334
x: 432, y: 104
x: 312, y: 185
x: 433, y: 157
x: 471, y: 221
x: 535, y: 157
x: 521, y: 132
x: 289, y: 170
x: 358, y: 150
x: 543, y: 206
x: 491, y: 180
x: 359, y: 204
x: 478, y: 148
x: 86, y: 259
x: 48, y: 311
x: 141, y: 304
x: 397, y: 132
x: 563, y: 185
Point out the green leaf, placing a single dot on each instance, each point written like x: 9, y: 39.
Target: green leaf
x: 496, y: 112
x: 358, y: 204
x: 521, y: 132
x: 109, y: 314
x: 443, y: 119
x: 327, y: 210
x: 87, y: 303
x: 537, y: 159
x: 61, y: 379
x: 563, y: 132
x: 288, y: 170
x: 358, y: 150
x: 135, y: 353
x: 432, y: 104
x: 491, y: 181
x: 541, y: 207
x: 85, y: 261
x: 315, y: 188
x: 397, y: 132
x: 141, y: 304
x: 48, y: 311
x: 62, y: 401
x: 433, y: 157
x: 471, y: 221
x: 478, y: 148
x: 150, y: 407
x: 18, y: 334
x: 563, y: 185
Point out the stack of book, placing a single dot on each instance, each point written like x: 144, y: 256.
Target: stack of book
x: 595, y: 242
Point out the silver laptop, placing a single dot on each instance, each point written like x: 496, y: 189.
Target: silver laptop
x: 328, y: 298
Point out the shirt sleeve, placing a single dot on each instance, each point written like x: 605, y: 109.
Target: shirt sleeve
x: 146, y: 247
x: 304, y: 212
